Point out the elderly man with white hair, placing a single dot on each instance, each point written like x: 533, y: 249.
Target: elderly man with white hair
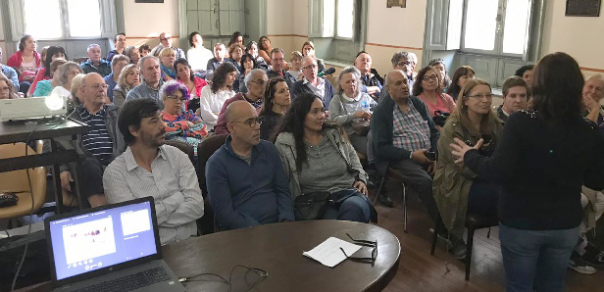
x: 312, y: 83
x: 256, y: 83
x: 95, y: 64
x: 593, y: 91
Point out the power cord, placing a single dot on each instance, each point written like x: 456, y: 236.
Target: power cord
x: 31, y: 212
x: 262, y: 274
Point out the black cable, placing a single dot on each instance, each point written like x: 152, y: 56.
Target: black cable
x: 262, y: 274
x: 31, y: 212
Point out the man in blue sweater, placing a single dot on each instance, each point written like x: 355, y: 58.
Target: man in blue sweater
x: 247, y: 185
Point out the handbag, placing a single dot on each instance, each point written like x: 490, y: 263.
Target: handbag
x: 8, y: 199
x: 311, y: 206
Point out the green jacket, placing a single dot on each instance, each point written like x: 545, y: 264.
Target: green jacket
x: 452, y: 182
x: 286, y: 146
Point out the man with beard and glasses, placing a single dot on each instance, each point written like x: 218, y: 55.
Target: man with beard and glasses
x: 247, y: 185
x: 150, y: 168
x: 99, y: 147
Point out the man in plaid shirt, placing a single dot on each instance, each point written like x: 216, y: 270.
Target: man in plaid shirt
x: 403, y: 133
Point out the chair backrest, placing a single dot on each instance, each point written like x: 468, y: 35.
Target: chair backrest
x: 204, y: 152
x: 182, y: 146
x: 17, y: 182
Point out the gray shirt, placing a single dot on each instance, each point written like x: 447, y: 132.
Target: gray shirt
x: 325, y: 170
x: 172, y: 183
x: 145, y: 91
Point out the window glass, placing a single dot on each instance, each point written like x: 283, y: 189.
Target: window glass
x: 481, y: 23
x: 345, y: 18
x: 43, y: 18
x: 84, y: 18
x: 516, y: 26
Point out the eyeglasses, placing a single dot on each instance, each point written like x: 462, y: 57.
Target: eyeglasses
x: 182, y: 98
x: 97, y: 86
x: 259, y: 81
x: 366, y: 243
x: 403, y: 63
x: 313, y: 66
x: 428, y: 78
x: 163, y: 39
x: 251, y: 122
x: 481, y: 95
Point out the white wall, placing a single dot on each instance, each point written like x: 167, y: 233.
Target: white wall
x: 580, y: 37
x: 279, y: 17
x: 144, y: 22
x: 397, y: 26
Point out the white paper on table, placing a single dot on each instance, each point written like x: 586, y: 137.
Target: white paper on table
x: 329, y: 254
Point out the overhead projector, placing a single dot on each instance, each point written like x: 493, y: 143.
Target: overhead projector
x: 32, y: 108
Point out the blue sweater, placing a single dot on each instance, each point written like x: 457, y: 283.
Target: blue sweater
x: 244, y: 195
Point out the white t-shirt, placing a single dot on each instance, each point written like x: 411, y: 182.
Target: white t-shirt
x: 210, y: 104
x: 61, y: 91
x: 198, y: 58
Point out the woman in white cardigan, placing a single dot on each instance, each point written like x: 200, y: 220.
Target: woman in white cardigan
x: 213, y: 97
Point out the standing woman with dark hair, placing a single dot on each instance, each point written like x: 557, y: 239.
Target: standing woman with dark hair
x: 213, y: 97
x: 185, y: 76
x: 460, y: 77
x: 546, y: 154
x: 26, y: 61
x: 265, y: 48
x: 276, y: 102
x: 318, y: 158
x: 53, y: 53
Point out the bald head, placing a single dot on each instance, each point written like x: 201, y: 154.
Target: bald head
x: 241, y: 119
x: 397, y: 85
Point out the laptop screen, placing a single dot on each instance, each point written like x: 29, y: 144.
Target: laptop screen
x: 88, y: 242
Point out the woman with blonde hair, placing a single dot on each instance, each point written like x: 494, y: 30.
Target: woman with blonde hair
x: 457, y: 190
x: 76, y: 84
x: 167, y: 56
x: 128, y: 79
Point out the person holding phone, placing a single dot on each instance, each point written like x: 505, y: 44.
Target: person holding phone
x: 457, y: 190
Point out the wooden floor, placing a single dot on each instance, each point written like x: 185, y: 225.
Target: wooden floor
x: 420, y: 272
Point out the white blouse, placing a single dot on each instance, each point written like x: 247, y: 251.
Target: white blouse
x: 210, y: 104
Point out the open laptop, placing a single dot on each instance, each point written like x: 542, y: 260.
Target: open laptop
x: 111, y: 248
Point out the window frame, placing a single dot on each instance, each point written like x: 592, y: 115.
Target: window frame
x: 499, y: 32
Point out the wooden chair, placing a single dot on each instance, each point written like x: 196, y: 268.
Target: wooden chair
x: 473, y: 222
x: 204, y: 152
x: 17, y: 182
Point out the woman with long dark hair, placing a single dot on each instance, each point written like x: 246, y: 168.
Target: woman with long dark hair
x: 265, y: 48
x: 248, y: 63
x: 319, y: 159
x: 546, y: 154
x: 462, y: 75
x: 213, y: 97
x: 276, y: 102
x: 52, y: 53
x: 185, y: 76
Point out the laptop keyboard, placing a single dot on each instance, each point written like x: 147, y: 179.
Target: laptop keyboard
x: 130, y: 282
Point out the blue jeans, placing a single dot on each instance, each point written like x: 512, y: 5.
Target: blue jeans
x: 352, y: 207
x: 536, y: 260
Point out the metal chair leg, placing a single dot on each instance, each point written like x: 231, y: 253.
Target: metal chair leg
x: 379, y: 190
x: 468, y: 259
x: 404, y: 189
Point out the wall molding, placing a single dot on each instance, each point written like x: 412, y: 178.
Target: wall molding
x: 391, y: 46
x: 287, y: 35
x: 150, y: 37
x: 592, y: 69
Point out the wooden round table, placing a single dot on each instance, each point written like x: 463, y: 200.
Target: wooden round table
x: 277, y: 249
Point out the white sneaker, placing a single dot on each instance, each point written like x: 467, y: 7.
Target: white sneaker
x: 581, y: 267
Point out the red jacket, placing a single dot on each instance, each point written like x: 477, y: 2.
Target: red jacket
x: 17, y: 58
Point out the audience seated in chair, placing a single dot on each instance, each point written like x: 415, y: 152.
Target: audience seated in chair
x: 95, y: 63
x: 428, y: 88
x: 45, y: 87
x: 117, y: 65
x: 119, y: 42
x: 457, y: 190
x: 526, y: 73
x: 43, y: 73
x: 593, y: 92
x: 150, y: 168
x: 248, y: 63
x: 165, y: 41
x: 198, y: 55
x: 185, y: 76
x: 149, y: 87
x: 317, y: 157
x: 265, y: 50
x: 351, y: 108
x: 278, y: 67
x: 515, y: 97
x: 296, y: 65
x: 100, y: 146
x: 10, y: 73
x: 25, y: 61
x: 219, y: 57
x: 235, y: 54
x: 66, y: 74
x: 214, y: 96
x: 276, y: 103
x: 128, y: 79
x: 252, y: 49
x: 308, y: 49
x: 7, y: 90
x: 256, y: 82
x: 404, y: 61
x: 247, y: 185
x: 440, y: 67
x: 402, y: 133
x: 181, y: 125
x: 132, y: 53
x: 372, y: 82
x: 460, y: 77
x: 167, y: 56
x: 312, y: 83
